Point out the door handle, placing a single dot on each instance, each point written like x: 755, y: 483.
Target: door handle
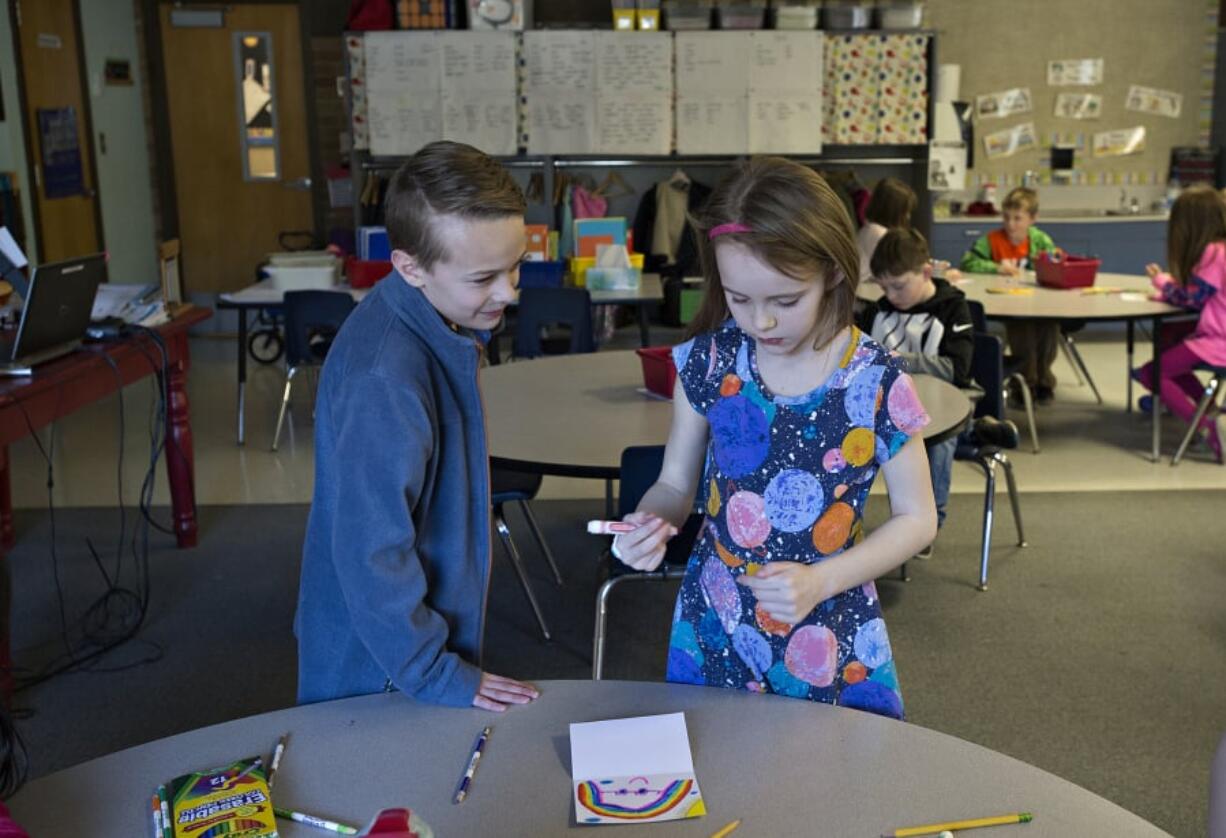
x: 302, y: 183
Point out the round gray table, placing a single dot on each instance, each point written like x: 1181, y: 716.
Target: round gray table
x: 784, y: 767
x: 572, y: 415
x: 1070, y: 304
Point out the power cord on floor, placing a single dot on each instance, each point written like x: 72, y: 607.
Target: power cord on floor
x: 118, y: 613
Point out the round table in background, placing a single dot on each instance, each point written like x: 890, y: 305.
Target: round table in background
x: 1069, y: 304
x: 572, y: 415
x: 783, y: 766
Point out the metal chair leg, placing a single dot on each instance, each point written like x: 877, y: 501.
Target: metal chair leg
x: 504, y: 533
x: 1014, y: 499
x: 989, y: 505
x: 1025, y: 390
x: 602, y: 615
x: 1065, y: 342
x: 1079, y: 364
x: 289, y: 382
x: 1210, y: 397
x: 540, y: 540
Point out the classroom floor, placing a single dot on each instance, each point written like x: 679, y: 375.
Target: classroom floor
x: 1085, y: 446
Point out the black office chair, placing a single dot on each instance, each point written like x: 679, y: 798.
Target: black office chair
x: 1011, y: 371
x: 520, y: 487
x: 312, y: 319
x: 987, y: 369
x: 1215, y: 385
x: 640, y: 467
x: 541, y: 309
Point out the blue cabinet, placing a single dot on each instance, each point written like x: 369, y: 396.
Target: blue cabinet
x: 1125, y: 246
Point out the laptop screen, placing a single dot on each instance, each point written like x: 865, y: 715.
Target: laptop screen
x: 57, y: 308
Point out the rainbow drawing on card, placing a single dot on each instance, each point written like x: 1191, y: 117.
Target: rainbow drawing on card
x: 628, y: 799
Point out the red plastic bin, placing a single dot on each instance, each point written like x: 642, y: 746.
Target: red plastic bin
x: 1066, y: 272
x: 659, y: 374
x: 364, y: 273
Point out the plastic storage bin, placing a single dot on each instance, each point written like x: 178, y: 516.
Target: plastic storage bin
x: 796, y: 16
x: 364, y: 273
x: 742, y: 16
x: 900, y: 15
x: 542, y: 274
x: 659, y: 374
x: 681, y: 15
x: 613, y: 279
x: 846, y: 15
x: 1067, y: 272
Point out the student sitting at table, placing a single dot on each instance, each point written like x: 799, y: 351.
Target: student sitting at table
x: 396, y: 563
x: 890, y: 205
x: 925, y: 322
x: 12, y: 772
x: 1196, y: 253
x: 1009, y: 251
x: 794, y: 411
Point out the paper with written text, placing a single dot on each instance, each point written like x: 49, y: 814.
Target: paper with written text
x: 754, y: 91
x: 634, y: 85
x: 560, y: 89
x: 633, y: 770
x: 430, y: 85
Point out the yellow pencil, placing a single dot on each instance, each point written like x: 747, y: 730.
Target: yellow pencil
x: 727, y: 830
x: 950, y: 826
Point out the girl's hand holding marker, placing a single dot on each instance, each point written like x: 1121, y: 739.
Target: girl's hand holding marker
x: 639, y: 541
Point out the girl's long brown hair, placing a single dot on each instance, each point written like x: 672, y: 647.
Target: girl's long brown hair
x: 798, y: 226
x: 1198, y: 218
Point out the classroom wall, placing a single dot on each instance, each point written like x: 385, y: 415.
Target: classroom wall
x: 120, y: 142
x: 12, y: 146
x: 1002, y: 44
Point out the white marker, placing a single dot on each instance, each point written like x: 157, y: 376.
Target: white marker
x: 610, y: 527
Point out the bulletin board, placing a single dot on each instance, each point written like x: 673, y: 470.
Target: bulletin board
x: 1003, y: 45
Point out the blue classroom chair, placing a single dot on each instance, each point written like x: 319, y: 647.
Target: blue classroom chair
x: 312, y: 319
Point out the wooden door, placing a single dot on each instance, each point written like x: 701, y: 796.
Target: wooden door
x: 58, y: 135
x: 229, y: 222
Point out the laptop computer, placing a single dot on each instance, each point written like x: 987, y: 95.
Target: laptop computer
x: 55, y: 315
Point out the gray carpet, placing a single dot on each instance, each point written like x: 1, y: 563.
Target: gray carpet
x: 1099, y: 653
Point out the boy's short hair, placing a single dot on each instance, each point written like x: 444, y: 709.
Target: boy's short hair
x: 1022, y: 198
x: 900, y: 251
x: 445, y: 178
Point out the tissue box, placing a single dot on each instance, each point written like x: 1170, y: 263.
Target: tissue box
x: 614, y: 279
x: 580, y: 265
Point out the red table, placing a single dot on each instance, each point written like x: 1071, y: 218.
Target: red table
x: 67, y: 384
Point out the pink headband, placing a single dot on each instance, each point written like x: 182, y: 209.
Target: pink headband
x: 730, y: 227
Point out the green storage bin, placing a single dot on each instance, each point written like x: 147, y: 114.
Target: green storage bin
x: 691, y: 299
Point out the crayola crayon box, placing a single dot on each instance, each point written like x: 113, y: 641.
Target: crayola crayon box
x: 231, y: 801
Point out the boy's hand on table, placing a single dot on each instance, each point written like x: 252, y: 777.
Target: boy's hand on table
x: 498, y: 693
x: 1008, y: 267
x: 787, y: 591
x: 644, y: 548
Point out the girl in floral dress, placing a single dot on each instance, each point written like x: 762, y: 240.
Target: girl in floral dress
x: 788, y: 412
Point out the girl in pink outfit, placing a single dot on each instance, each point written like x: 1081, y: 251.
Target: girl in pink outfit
x: 12, y: 772
x: 1196, y: 251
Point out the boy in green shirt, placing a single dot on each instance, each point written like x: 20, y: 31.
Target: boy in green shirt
x: 1009, y: 251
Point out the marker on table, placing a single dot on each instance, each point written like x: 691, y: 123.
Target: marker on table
x: 951, y: 826
x: 727, y: 830
x: 168, y: 827
x: 467, y: 779
x: 276, y: 757
x: 610, y: 527
x: 157, y: 816
x: 312, y: 820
